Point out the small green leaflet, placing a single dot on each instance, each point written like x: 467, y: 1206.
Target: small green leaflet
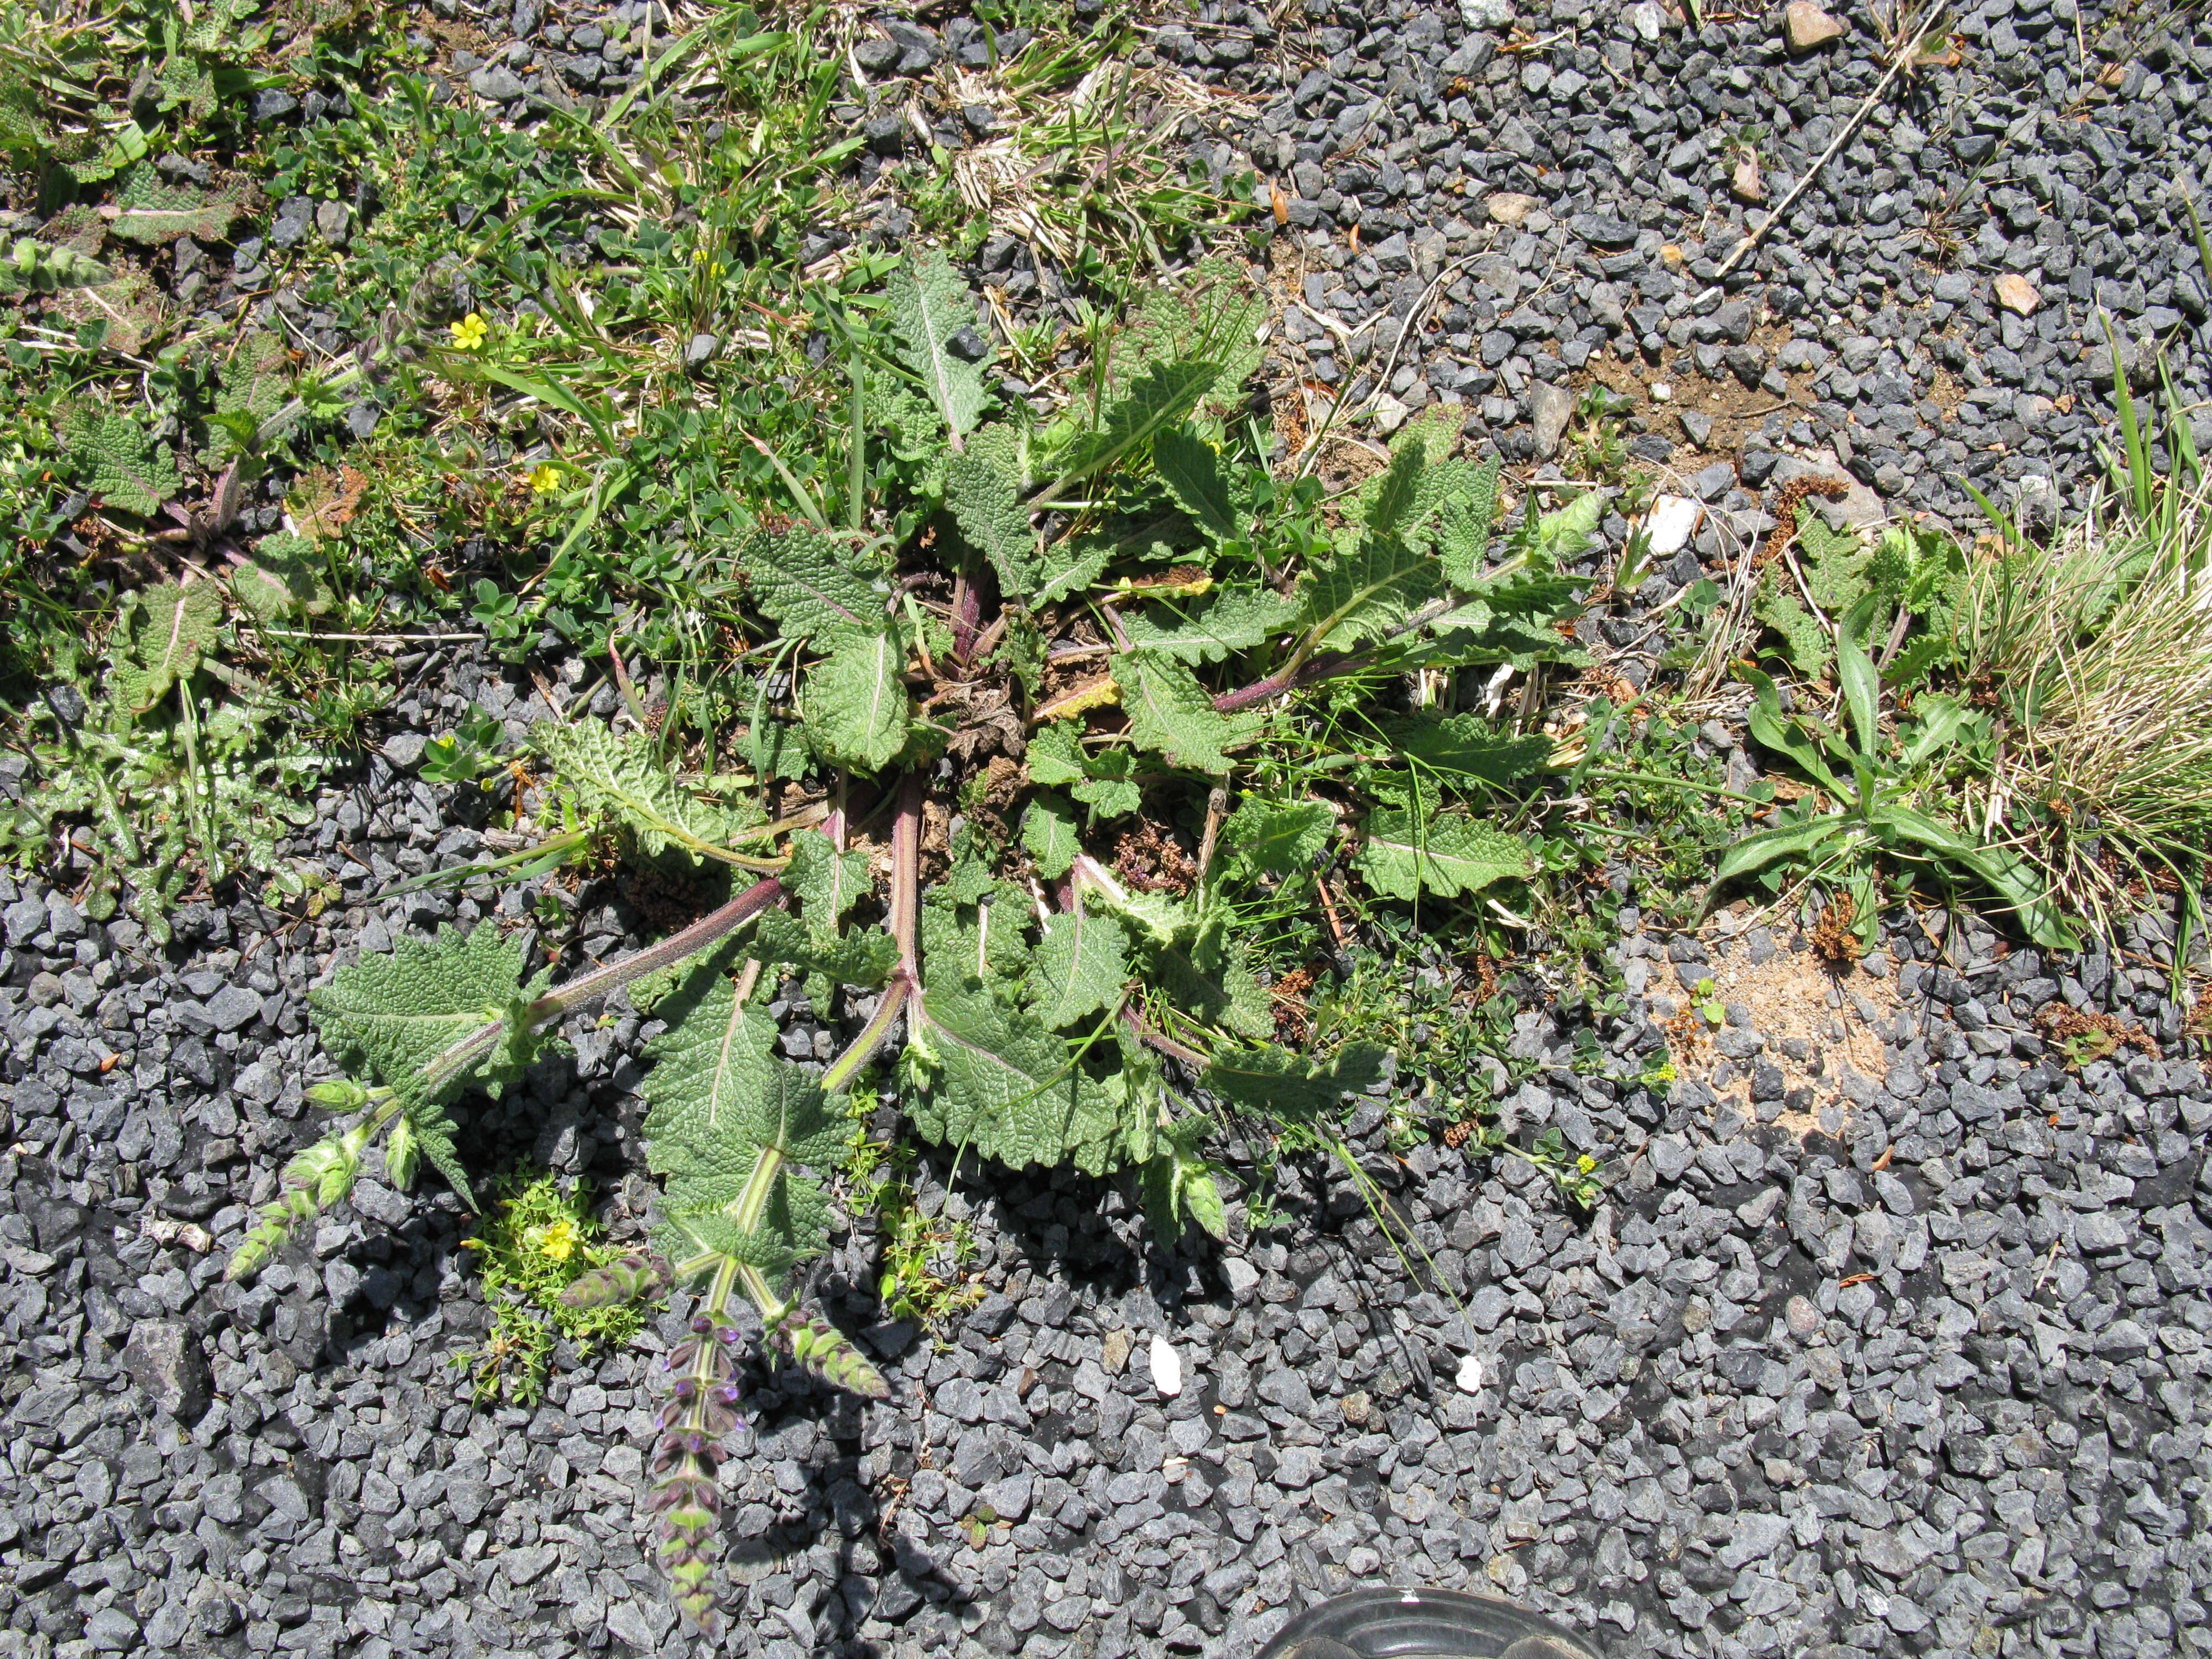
x: 811, y: 582
x: 1402, y: 854
x: 1281, y: 1084
x: 992, y: 517
x: 1079, y: 966
x: 1055, y: 754
x: 825, y: 881
x: 36, y: 267
x: 853, y: 958
x: 929, y: 304
x: 1169, y: 712
x: 1366, y: 593
x: 1007, y: 1087
x: 1162, y: 398
x: 160, y: 635
x: 620, y: 776
x: 722, y: 1113
x: 1277, y: 837
x: 1048, y: 832
x: 1563, y: 535
x: 1178, y: 1181
x: 1230, y: 619
x: 1111, y: 791
x: 1191, y: 469
x: 856, y: 703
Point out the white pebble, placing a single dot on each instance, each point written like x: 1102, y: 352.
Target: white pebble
x: 1470, y: 1375
x: 1167, y: 1367
x: 1660, y: 392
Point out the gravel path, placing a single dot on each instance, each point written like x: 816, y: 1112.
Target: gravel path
x: 1890, y: 1338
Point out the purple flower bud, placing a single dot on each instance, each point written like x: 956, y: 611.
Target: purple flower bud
x: 701, y: 1324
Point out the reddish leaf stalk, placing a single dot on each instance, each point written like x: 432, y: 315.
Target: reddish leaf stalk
x: 905, y: 922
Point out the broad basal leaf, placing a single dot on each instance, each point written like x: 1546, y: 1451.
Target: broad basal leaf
x: 856, y: 703
x: 1275, y: 1082
x: 1005, y: 1086
x: 1170, y: 712
x: 1079, y: 966
x: 160, y: 635
x: 1402, y: 854
x: 992, y: 517
x: 620, y: 776
x: 1367, y: 592
x: 811, y: 582
x: 1277, y: 837
x: 1226, y: 621
x: 1191, y: 469
x: 929, y: 304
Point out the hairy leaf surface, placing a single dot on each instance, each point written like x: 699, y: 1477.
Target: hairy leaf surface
x: 929, y: 304
x: 1007, y: 1087
x: 1278, y: 837
x: 812, y: 583
x: 992, y: 517
x: 1191, y: 469
x: 160, y: 635
x: 1402, y: 854
x: 1227, y: 620
x: 1365, y: 594
x: 720, y: 1107
x: 1277, y: 1082
x: 1160, y: 399
x: 1079, y: 966
x: 1468, y: 745
x: 856, y: 703
x: 1170, y: 712
x: 1048, y: 832
x: 128, y: 470
x: 619, y: 775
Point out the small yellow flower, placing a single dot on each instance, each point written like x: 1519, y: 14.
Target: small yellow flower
x: 1585, y: 1163
x: 468, y: 334
x: 544, y: 478
x: 556, y: 1243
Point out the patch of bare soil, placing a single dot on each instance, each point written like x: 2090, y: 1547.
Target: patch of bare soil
x: 1818, y: 1026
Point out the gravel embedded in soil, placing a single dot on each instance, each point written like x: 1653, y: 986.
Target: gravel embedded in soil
x: 1922, y: 1373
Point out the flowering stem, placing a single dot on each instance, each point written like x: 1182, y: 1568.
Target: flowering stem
x: 464, y: 1056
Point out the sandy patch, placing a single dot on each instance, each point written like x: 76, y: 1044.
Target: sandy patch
x: 1820, y: 1026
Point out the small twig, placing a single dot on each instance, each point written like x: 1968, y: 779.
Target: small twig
x: 1389, y: 364
x: 373, y: 638
x: 1842, y: 137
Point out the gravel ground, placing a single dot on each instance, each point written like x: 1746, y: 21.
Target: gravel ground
x: 1889, y: 1337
